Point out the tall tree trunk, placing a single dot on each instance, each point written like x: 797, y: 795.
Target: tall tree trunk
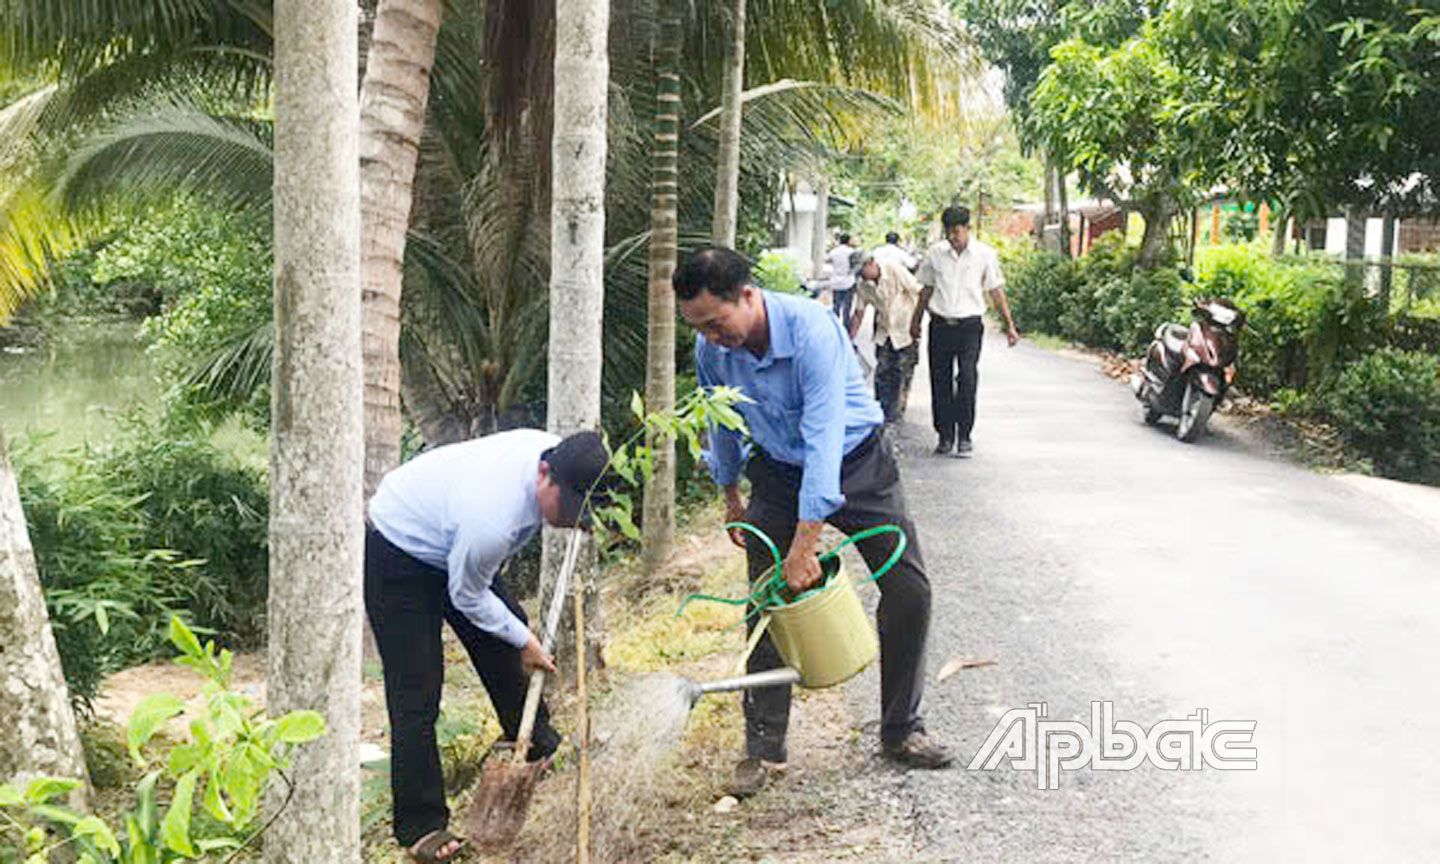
x: 1060, y: 177
x: 1156, y: 242
x: 658, y: 527
x: 577, y: 243
x: 1387, y: 269
x: 38, y: 737
x: 1354, y: 248
x: 1282, y: 226
x: 392, y: 115
x: 727, y: 167
x: 819, y: 233
x: 317, y: 446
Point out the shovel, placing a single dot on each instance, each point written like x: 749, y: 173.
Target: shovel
x: 502, y: 797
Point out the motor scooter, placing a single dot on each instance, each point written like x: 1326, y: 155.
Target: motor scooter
x: 1187, y: 370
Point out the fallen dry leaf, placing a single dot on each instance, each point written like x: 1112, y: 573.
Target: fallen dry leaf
x: 955, y: 664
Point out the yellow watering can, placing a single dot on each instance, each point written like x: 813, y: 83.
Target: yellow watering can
x: 823, y: 634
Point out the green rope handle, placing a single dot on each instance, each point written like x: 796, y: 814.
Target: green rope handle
x: 768, y: 593
x: 852, y: 540
x: 760, y: 597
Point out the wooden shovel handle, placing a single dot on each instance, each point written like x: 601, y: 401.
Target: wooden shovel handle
x: 527, y: 717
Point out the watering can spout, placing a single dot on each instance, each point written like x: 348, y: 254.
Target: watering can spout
x: 784, y: 676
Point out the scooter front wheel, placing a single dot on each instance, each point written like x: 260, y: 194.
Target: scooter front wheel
x: 1195, y: 408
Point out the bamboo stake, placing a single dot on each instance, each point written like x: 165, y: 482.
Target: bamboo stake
x: 582, y: 726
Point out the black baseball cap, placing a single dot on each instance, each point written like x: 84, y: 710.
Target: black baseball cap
x: 578, y: 467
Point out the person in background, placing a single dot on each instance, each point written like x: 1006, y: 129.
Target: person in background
x: 893, y: 251
x: 842, y: 278
x: 817, y: 455
x: 887, y: 285
x: 957, y: 273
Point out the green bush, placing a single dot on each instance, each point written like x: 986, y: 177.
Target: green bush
x: 1131, y: 308
x: 1114, y: 304
x: 160, y: 523
x: 1388, y: 406
x: 1036, y: 283
x: 1305, y: 322
x: 777, y: 271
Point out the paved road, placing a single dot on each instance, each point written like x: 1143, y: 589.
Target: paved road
x: 1095, y: 558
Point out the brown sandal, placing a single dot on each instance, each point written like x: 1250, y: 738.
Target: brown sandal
x: 427, y: 849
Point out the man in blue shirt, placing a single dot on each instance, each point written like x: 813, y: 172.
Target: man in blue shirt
x: 440, y: 527
x: 816, y: 456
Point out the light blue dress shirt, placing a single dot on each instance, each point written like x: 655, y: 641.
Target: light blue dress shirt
x: 465, y: 508
x: 811, y: 406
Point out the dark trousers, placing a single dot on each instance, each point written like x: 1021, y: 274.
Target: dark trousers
x: 406, y: 599
x: 894, y: 369
x: 954, y: 356
x: 870, y: 480
x: 843, y: 304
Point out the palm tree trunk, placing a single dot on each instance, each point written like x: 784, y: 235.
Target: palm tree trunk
x: 727, y: 167
x: 392, y: 115
x: 577, y: 252
x: 317, y: 442
x: 659, y: 509
x: 818, y: 230
x: 38, y: 737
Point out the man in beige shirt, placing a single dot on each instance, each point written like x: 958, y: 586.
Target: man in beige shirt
x: 888, y: 286
x: 958, y: 272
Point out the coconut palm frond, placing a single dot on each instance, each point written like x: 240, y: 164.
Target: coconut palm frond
x: 32, y: 233
x: 447, y: 289
x: 909, y: 50
x: 233, y: 372
x: 81, y: 37
x: 20, y: 120
x: 171, y: 149
x: 208, y: 75
x: 796, y: 117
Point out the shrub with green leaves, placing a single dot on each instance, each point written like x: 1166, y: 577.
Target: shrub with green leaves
x: 159, y: 523
x: 225, y: 766
x: 1101, y: 299
x: 777, y: 271
x: 1304, y: 320
x: 1036, y: 283
x: 633, y: 461
x: 1388, y: 406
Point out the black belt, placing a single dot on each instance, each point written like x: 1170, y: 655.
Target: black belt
x: 860, y: 451
x: 951, y: 322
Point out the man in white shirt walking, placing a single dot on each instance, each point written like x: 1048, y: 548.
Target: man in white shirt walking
x: 893, y: 251
x: 439, y: 528
x: 842, y: 278
x: 956, y: 274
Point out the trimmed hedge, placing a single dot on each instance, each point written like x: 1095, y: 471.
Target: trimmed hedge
x: 1388, y: 406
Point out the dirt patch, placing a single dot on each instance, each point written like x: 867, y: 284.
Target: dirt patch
x: 124, y: 690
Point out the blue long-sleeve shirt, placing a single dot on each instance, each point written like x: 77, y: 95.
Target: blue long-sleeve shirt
x: 465, y: 508
x: 811, y: 403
